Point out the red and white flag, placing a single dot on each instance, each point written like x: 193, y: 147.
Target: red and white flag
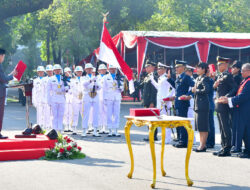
x: 109, y: 54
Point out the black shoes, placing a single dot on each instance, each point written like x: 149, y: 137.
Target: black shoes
x: 3, y: 137
x: 235, y: 150
x: 200, y: 150
x: 224, y: 154
x: 180, y: 145
x: 147, y: 139
x: 244, y: 155
x: 217, y: 153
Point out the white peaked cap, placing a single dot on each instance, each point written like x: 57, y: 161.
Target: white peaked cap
x: 88, y: 65
x: 57, y: 66
x: 67, y: 69
x: 49, y: 68
x: 112, y: 67
x: 78, y: 68
x: 40, y: 68
x: 102, y: 66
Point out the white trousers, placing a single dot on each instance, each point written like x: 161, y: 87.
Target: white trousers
x: 39, y: 114
x: 68, y: 114
x: 87, y: 105
x: 163, y: 111
x: 113, y: 114
x: 76, y: 110
x: 57, y: 113
x: 102, y: 113
x: 47, y: 116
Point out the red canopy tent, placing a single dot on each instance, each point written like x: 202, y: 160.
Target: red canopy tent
x: 178, y: 40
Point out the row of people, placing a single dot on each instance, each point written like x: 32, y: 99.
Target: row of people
x: 200, y: 93
x: 59, y: 100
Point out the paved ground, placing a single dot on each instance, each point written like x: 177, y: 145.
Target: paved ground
x: 108, y: 163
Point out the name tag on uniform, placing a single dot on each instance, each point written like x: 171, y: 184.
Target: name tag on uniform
x: 58, y: 86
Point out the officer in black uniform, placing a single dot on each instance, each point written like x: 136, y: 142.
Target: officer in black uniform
x: 149, y: 91
x: 183, y: 94
x: 236, y: 68
x: 224, y: 86
x: 236, y: 72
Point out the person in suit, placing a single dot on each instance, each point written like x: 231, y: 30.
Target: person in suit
x: 149, y: 91
x: 181, y: 100
x: 201, y: 105
x: 241, y: 103
x: 236, y: 68
x: 224, y: 86
x: 211, y: 131
x: 3, y: 81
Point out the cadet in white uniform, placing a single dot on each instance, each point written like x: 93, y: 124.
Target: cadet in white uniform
x: 90, y: 123
x: 37, y: 95
x: 68, y: 115
x: 102, y: 104
x: 47, y: 122
x: 112, y: 96
x: 76, y: 88
x: 90, y: 99
x: 56, y: 97
x: 164, y: 90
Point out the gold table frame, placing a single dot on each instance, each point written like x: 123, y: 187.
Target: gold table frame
x: 153, y: 124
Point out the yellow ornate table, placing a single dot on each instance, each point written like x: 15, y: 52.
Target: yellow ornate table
x: 164, y: 122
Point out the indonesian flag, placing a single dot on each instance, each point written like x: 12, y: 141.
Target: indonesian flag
x: 109, y: 54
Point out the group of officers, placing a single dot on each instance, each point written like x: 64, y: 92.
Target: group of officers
x: 60, y: 97
x: 231, y: 102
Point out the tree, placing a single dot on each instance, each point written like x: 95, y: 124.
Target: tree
x: 11, y: 8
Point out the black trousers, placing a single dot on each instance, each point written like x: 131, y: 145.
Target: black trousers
x: 225, y: 124
x: 2, y: 101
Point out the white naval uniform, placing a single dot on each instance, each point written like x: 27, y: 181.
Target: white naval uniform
x: 56, y: 99
x: 112, y: 98
x: 102, y: 104
x: 76, y: 87
x: 47, y: 113
x: 163, y: 91
x: 37, y: 97
x: 68, y: 111
x: 89, y: 102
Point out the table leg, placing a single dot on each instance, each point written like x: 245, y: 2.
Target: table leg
x: 152, y: 148
x: 127, y: 136
x: 190, y: 132
x: 163, y: 132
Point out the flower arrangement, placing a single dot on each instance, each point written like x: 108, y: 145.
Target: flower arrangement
x: 65, y: 148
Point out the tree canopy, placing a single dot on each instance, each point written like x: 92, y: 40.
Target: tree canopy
x: 65, y: 31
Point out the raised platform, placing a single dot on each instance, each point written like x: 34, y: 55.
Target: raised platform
x: 25, y: 148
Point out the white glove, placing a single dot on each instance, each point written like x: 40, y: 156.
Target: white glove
x: 151, y: 77
x: 66, y: 88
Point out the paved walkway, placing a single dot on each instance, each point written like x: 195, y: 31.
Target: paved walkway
x: 107, y: 164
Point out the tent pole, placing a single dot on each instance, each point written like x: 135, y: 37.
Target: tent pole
x: 182, y: 54
x: 218, y: 51
x: 164, y: 55
x: 239, y: 54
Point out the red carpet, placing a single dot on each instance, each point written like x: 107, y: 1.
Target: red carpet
x: 25, y: 149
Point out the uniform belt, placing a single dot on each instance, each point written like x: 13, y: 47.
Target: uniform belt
x: 59, y: 93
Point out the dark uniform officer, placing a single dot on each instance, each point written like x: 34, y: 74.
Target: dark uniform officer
x: 241, y: 104
x: 149, y: 91
x: 3, y: 81
x: 236, y: 68
x: 224, y: 86
x: 182, y: 87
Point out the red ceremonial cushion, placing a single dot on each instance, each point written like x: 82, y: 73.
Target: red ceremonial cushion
x: 144, y: 111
